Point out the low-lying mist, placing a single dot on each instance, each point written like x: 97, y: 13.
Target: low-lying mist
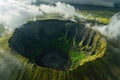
x: 112, y: 30
x: 8, y: 62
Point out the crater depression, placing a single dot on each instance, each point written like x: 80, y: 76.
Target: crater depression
x: 56, y: 43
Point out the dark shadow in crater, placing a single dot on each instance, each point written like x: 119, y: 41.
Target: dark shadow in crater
x: 48, y: 43
x: 53, y: 58
x: 45, y: 42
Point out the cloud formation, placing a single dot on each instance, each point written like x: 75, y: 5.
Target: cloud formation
x: 112, y: 30
x: 14, y: 13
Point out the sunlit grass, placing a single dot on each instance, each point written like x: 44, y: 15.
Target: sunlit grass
x: 101, y: 16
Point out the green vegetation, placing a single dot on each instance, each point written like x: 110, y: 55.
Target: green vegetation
x: 77, y: 57
x: 4, y: 42
x: 1, y: 29
x: 101, y: 16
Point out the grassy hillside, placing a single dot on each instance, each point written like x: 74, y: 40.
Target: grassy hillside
x: 97, y: 14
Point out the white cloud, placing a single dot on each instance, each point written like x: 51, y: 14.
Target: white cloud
x: 66, y: 10
x: 15, y: 13
x: 112, y: 30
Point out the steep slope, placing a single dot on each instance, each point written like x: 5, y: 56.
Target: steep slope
x: 100, y: 60
x: 56, y: 43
